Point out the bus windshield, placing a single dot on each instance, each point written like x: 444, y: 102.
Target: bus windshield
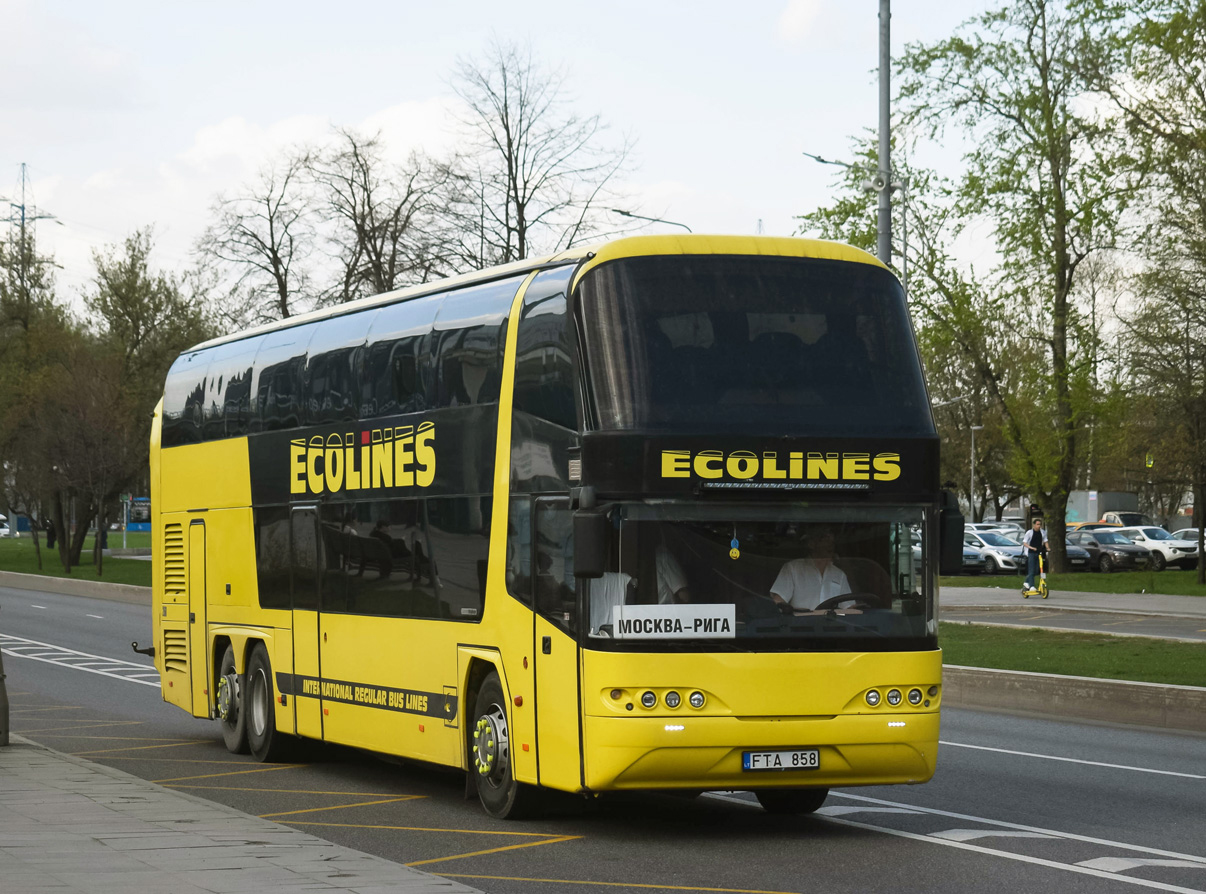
x: 750, y: 344
x: 758, y: 578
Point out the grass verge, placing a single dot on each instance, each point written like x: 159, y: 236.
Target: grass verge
x: 1076, y: 654
x: 1169, y: 582
x: 18, y: 555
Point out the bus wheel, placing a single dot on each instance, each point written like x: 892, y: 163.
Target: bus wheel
x: 231, y: 715
x: 259, y: 706
x: 490, y: 756
x: 792, y: 800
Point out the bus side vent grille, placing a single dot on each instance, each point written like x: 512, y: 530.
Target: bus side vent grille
x: 175, y: 651
x: 174, y: 583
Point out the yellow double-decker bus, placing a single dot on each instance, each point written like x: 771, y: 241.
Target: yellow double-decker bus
x: 661, y: 513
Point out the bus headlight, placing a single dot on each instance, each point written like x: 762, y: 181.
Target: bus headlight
x: 696, y: 699
x: 914, y: 696
x: 648, y: 699
x: 873, y: 697
x: 673, y: 699
x: 894, y: 697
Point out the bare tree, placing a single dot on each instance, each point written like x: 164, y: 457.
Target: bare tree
x: 535, y: 176
x: 382, y: 216
x: 261, y: 235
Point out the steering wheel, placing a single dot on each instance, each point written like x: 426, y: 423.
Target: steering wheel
x: 859, y: 600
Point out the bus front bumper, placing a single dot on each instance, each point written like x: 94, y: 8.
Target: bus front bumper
x: 682, y: 752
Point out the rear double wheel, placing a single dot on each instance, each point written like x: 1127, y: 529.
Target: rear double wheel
x: 792, y: 800
x: 267, y: 743
x: 490, y: 756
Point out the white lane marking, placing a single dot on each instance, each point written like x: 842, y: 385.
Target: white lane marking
x: 98, y: 617
x: 842, y: 811
x: 1021, y: 858
x: 1072, y: 760
x: 973, y: 834
x: 42, y: 607
x: 60, y: 656
x: 1105, y: 842
x: 1122, y: 864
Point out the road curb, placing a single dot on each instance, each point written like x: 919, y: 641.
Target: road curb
x: 1083, y: 698
x: 1048, y: 606
x: 73, y: 587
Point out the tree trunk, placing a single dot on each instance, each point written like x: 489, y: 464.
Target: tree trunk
x: 62, y: 529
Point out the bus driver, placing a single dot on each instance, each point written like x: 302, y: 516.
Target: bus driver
x: 803, y: 584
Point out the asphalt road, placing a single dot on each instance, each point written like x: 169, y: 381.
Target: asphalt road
x: 1017, y: 805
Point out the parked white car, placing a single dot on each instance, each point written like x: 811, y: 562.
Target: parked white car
x: 1165, y: 549
x: 999, y: 552
x: 4, y: 531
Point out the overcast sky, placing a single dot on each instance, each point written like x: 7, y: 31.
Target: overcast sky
x: 134, y: 113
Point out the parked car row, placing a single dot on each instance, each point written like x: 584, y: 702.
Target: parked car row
x: 1095, y: 546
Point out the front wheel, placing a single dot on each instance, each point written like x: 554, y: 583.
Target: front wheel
x: 1106, y: 564
x: 267, y: 743
x: 792, y: 800
x: 490, y: 756
x: 1158, y: 561
x: 990, y: 565
x: 231, y: 716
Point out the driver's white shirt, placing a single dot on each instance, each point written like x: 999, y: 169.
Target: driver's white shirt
x: 803, y: 587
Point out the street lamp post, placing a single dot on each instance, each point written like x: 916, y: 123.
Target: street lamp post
x: 872, y: 186
x: 673, y: 223
x: 971, y: 493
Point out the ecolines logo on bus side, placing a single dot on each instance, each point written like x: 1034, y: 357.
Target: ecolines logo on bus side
x: 745, y: 465
x: 385, y: 457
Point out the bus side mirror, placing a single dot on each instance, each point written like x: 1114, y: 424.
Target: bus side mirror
x: 950, y: 535
x: 591, y: 531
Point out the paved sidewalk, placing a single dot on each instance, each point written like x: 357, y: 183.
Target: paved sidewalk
x: 68, y: 825
x: 1009, y: 594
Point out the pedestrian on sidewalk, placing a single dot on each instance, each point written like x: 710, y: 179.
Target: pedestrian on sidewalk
x: 1035, y: 543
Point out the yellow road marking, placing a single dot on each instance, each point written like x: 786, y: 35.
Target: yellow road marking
x: 134, y: 748
x: 291, y: 791
x: 497, y: 850
x: 83, y: 724
x: 566, y: 881
x: 422, y: 829
x: 129, y: 739
x: 219, y: 775
x: 341, y: 806
x: 184, y: 760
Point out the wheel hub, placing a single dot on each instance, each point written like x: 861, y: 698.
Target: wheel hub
x: 491, y: 753
x: 228, y: 697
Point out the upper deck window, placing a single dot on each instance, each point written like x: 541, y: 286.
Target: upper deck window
x: 764, y: 345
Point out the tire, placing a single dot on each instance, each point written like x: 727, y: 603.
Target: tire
x: 1158, y: 561
x: 490, y: 756
x: 231, y: 716
x: 792, y: 800
x: 1105, y: 563
x: 990, y: 565
x: 267, y: 744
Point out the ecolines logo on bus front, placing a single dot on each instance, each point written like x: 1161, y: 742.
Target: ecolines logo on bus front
x: 745, y: 465
x: 385, y: 457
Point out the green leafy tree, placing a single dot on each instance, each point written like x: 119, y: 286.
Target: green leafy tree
x: 1045, y: 168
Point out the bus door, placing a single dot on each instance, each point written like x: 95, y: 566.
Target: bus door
x: 304, y: 559
x: 558, y: 726
x: 197, y: 645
